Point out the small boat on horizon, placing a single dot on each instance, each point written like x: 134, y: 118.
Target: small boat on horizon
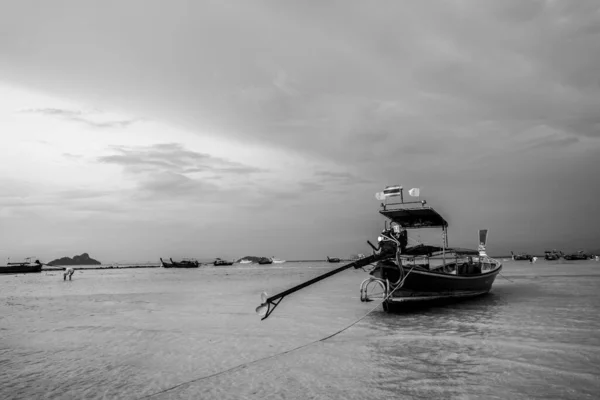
x: 185, y: 263
x: 521, y: 257
x: 580, y: 255
x: 220, y: 262
x: 333, y: 259
x: 277, y: 260
x: 22, y: 267
x: 552, y: 255
x: 265, y: 260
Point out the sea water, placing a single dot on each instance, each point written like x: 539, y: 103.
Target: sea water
x: 130, y: 333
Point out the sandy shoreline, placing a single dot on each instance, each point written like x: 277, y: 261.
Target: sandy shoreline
x: 62, y: 268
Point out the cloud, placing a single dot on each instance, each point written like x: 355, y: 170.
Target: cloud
x: 169, y: 170
x: 342, y: 82
x: 88, y: 118
x: 341, y: 178
x: 173, y: 157
x: 77, y: 200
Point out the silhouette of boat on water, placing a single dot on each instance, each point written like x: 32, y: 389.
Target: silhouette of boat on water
x: 220, y: 262
x: 521, y: 257
x: 552, y: 255
x: 580, y: 255
x: 333, y: 259
x: 22, y: 267
x: 265, y: 260
x: 185, y: 263
x: 409, y: 276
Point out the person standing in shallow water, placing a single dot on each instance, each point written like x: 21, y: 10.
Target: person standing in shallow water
x: 69, y: 271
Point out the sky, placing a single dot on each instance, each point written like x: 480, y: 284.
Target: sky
x: 144, y: 129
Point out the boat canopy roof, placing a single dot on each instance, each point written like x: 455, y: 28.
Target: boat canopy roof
x: 415, y: 217
x: 427, y: 250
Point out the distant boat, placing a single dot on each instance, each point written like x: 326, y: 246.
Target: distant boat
x: 244, y: 261
x: 333, y: 259
x: 521, y: 257
x: 219, y: 262
x: 185, y: 263
x: 21, y: 267
x: 277, y: 260
x: 265, y: 260
x: 552, y: 255
x: 580, y: 255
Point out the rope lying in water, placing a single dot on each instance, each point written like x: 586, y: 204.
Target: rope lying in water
x: 505, y: 278
x: 281, y: 353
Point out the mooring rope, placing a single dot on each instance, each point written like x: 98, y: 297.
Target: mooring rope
x: 505, y: 278
x: 281, y: 353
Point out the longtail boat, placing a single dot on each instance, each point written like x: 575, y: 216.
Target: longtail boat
x: 333, y: 259
x: 521, y: 257
x: 552, y: 255
x: 185, y: 263
x: 220, y: 262
x: 580, y: 255
x: 21, y: 267
x: 404, y: 276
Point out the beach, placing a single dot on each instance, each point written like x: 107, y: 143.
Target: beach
x: 129, y: 333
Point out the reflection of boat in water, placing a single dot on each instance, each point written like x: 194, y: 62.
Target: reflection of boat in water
x: 185, y: 263
x: 220, y: 262
x: 580, y: 255
x: 22, y: 267
x: 552, y: 255
x: 418, y: 274
x: 333, y: 259
x: 521, y: 257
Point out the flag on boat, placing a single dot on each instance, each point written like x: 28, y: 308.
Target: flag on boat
x: 392, y: 191
x: 483, y: 236
x: 482, y: 242
x: 414, y: 192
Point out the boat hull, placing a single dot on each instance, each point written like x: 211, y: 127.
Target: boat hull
x: 575, y: 257
x: 426, y: 287
x: 177, y: 265
x: 174, y: 264
x: 20, y: 269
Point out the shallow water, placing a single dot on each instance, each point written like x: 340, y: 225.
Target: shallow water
x: 133, y: 332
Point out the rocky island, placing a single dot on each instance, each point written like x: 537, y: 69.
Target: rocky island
x: 83, y: 259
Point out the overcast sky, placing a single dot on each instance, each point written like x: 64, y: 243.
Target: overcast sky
x: 134, y: 130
